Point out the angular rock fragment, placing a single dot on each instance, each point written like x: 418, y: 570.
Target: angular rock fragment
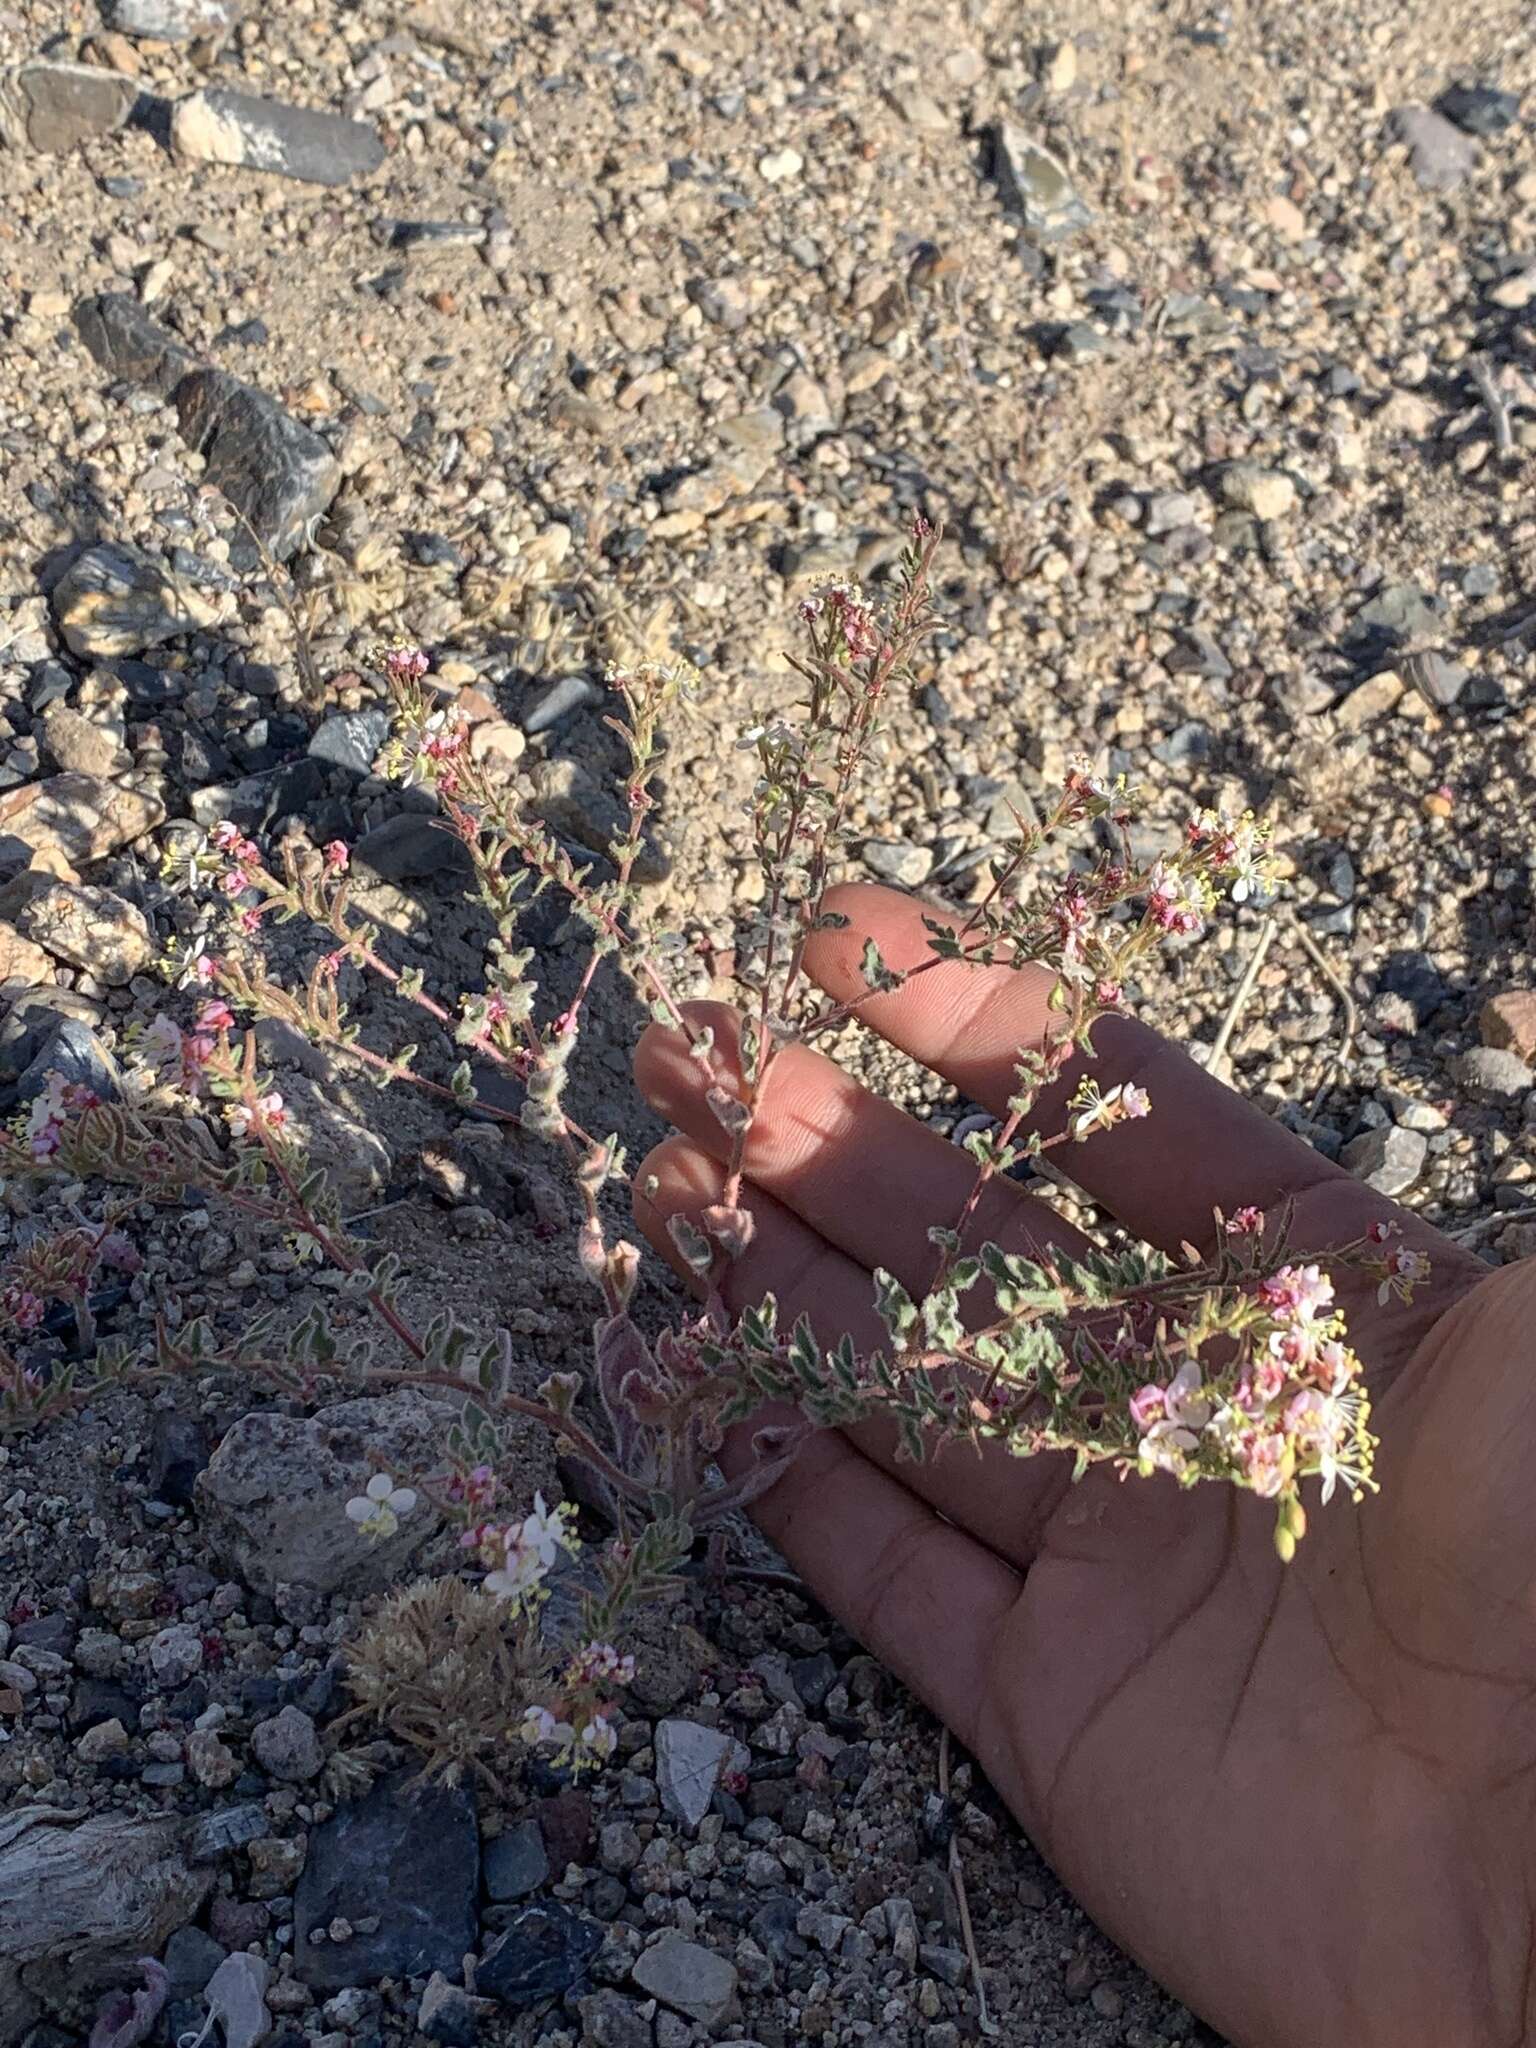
x: 53, y: 107
x: 407, y: 1859
x: 94, y: 929
x: 116, y: 599
x: 218, y: 126
x: 78, y: 816
x: 278, y: 474
x: 124, y: 340
x: 1034, y: 183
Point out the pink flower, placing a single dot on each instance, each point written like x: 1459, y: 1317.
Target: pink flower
x: 1264, y: 1457
x: 1186, y: 1410
x: 337, y: 858
x: 205, y: 968
x: 216, y: 1016
x: 226, y: 835
x: 1175, y: 902
x: 234, y: 882
x: 24, y: 1308
x: 268, y: 1109
x: 1134, y: 1102
x: 1245, y: 1222
x: 1147, y: 1406
x: 1297, y: 1294
x: 406, y: 664
x: 249, y: 921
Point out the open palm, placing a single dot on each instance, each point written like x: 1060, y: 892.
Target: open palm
x: 1301, y: 1796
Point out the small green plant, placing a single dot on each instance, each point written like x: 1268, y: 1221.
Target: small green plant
x: 1233, y: 1368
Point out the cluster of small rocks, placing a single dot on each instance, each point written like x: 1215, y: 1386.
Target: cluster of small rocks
x: 542, y: 341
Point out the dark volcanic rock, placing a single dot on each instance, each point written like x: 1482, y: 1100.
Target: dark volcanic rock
x: 125, y: 341
x: 277, y: 474
x: 544, y: 1952
x: 409, y: 1858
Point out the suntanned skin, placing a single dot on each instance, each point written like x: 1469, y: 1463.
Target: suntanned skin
x: 1301, y: 1796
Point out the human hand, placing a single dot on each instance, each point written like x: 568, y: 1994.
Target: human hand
x: 1301, y: 1796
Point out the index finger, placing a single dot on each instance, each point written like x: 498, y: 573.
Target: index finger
x: 1203, y: 1147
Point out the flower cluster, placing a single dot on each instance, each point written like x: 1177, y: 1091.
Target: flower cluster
x: 1284, y: 1403
x: 845, y: 608
x: 579, y: 1727
x: 519, y: 1556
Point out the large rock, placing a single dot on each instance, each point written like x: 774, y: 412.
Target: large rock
x: 115, y: 599
x: 20, y: 959
x: 53, y: 107
x: 218, y: 126
x: 91, y: 928
x: 354, y: 1159
x: 278, y: 474
x: 1389, y: 1159
x: 127, y: 343
x: 79, y: 816
x: 272, y: 1502
x: 81, y: 1900
x: 407, y: 1856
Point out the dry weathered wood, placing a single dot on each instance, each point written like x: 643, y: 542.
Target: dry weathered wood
x: 81, y: 1900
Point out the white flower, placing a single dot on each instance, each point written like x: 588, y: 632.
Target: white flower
x: 539, y: 1725
x: 520, y: 1574
x: 378, y: 1508
x: 1186, y: 1410
x: 1101, y: 1112
x: 545, y: 1532
x: 598, y: 1736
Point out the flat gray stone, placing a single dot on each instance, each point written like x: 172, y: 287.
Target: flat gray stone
x: 692, y: 1980
x: 172, y: 21
x: 689, y: 1761
x: 516, y: 1863
x: 218, y: 126
x: 407, y: 1856
x: 1491, y: 1074
x: 1389, y: 1160
x: 413, y: 847
x: 1441, y: 155
x: 54, y: 107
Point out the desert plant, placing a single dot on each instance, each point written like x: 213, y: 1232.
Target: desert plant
x: 1234, y: 1367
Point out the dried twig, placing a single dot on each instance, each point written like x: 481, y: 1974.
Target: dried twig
x: 282, y: 586
x: 1218, y: 1063
x: 1486, y: 385
x: 984, y: 2020
x: 1490, y: 1226
x: 1351, y: 1015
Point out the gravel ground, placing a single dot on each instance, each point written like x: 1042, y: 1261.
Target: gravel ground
x: 1202, y: 329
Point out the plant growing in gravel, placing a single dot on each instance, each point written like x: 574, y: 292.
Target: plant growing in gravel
x: 1234, y: 1368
